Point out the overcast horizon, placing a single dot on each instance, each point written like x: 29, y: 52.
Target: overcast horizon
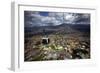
x: 38, y: 18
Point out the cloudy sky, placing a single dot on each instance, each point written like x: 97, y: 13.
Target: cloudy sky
x: 36, y: 18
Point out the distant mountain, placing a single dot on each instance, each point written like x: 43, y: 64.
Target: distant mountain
x: 61, y: 29
x: 82, y: 28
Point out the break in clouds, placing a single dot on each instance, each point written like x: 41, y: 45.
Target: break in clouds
x: 36, y: 18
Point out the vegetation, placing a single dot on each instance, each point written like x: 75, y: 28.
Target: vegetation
x: 60, y: 47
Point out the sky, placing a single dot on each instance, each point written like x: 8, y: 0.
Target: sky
x: 37, y: 18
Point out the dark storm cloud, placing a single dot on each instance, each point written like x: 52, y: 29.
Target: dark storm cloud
x: 33, y: 18
x: 83, y: 19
